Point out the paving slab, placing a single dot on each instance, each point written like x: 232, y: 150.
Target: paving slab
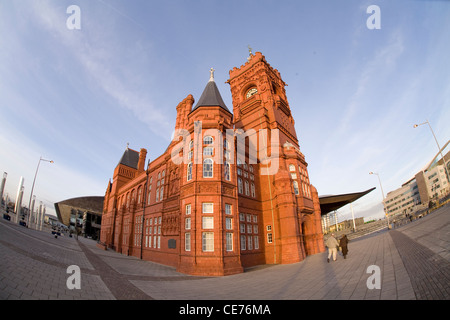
x: 408, y: 263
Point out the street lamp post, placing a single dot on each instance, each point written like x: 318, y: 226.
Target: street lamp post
x: 18, y: 204
x: 31, y: 209
x: 2, y: 187
x: 353, y: 218
x: 437, y: 143
x: 382, y: 193
x: 32, y: 188
x: 429, y: 125
x: 145, y: 198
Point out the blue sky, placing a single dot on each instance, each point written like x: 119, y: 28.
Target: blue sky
x: 79, y: 96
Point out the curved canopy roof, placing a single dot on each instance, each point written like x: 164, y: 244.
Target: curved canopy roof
x: 334, y: 202
x: 90, y: 203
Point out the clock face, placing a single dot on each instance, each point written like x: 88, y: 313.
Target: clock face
x: 251, y: 92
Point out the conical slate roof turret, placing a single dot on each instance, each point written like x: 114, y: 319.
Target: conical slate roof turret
x: 130, y: 158
x: 211, y: 96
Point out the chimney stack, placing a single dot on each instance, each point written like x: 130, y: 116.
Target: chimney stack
x: 142, y: 156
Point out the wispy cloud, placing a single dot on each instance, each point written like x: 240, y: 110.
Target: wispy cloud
x: 104, y: 64
x: 361, y: 133
x: 373, y: 73
x: 55, y: 182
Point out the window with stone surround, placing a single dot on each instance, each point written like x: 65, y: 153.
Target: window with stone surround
x: 229, y: 241
x: 187, y: 241
x: 248, y: 229
x: 228, y: 208
x: 189, y: 172
x: 208, y: 241
x: 207, y: 168
x: 207, y: 207
x: 207, y: 222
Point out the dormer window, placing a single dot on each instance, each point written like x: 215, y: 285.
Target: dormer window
x: 251, y: 92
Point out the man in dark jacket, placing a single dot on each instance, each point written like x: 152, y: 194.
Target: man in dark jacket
x: 343, y: 243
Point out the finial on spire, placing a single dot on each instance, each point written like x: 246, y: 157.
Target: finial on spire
x: 249, y: 53
x: 211, y: 77
x: 128, y: 145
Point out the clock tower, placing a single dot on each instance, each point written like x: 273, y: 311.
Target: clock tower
x: 259, y: 98
x: 289, y: 217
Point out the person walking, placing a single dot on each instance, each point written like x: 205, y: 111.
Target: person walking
x: 332, y: 245
x: 343, y: 243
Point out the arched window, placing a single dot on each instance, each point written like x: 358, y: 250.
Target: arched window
x: 157, y: 194
x: 139, y: 195
x: 291, y: 168
x: 149, y: 190
x: 149, y: 193
x: 247, y: 189
x: 226, y: 144
x: 133, y: 196
x: 207, y: 168
x: 296, y: 191
x: 227, y: 171
x: 240, y: 186
x: 189, y: 171
x: 227, y: 155
x: 253, y: 190
x: 161, y: 194
x: 208, y: 140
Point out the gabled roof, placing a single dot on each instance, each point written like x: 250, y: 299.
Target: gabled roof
x: 130, y: 158
x: 211, y: 97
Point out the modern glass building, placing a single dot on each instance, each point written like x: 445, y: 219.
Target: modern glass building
x: 429, y: 184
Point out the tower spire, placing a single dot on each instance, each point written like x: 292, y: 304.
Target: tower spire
x: 211, y: 96
x: 211, y: 77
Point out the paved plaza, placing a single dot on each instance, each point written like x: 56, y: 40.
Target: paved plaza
x: 408, y: 263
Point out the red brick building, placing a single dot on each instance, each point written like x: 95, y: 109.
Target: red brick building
x: 211, y: 205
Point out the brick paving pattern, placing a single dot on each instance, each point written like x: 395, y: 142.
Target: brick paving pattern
x: 429, y: 273
x: 119, y: 286
x: 413, y: 262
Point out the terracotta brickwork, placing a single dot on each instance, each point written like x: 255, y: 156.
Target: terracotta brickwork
x: 208, y: 209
